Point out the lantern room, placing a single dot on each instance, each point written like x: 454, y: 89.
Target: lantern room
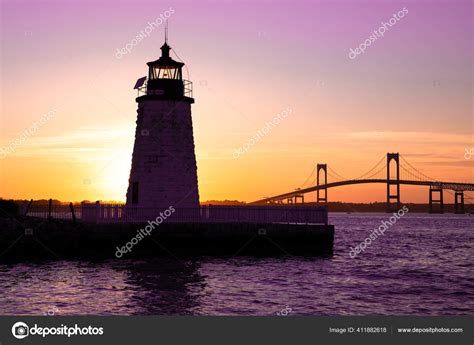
x: 165, y: 78
x: 165, y: 67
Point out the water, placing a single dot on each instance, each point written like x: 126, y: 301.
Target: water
x: 423, y: 265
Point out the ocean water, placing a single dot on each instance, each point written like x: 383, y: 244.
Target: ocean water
x: 422, y: 265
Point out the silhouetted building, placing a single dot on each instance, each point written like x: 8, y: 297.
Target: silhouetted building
x: 164, y: 169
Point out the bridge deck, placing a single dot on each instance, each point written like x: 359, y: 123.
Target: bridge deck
x: 443, y: 185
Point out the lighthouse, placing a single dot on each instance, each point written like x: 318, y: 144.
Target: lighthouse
x: 163, y: 171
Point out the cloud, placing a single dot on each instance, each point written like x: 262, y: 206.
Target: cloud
x: 413, y: 137
x: 84, y: 144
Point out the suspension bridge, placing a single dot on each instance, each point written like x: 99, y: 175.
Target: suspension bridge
x: 404, y: 173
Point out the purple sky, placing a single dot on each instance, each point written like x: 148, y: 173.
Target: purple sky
x: 248, y: 60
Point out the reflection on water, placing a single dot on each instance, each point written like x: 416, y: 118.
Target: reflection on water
x: 423, y: 266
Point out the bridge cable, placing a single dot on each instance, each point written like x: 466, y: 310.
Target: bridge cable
x: 307, y: 179
x: 420, y: 175
x: 336, y: 175
x: 373, y: 168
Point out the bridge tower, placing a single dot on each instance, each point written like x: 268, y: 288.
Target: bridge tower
x: 391, y: 182
x: 436, y: 189
x: 324, y: 168
x: 459, y: 204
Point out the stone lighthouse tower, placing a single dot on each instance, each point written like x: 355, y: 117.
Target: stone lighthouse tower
x: 164, y: 172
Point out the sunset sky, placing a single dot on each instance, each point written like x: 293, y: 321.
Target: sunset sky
x: 409, y: 92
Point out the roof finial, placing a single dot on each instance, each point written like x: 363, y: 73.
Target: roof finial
x: 166, y: 31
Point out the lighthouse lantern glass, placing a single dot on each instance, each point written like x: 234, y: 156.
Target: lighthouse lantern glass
x: 165, y: 72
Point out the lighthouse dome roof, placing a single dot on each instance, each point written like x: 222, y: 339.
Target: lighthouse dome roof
x: 165, y: 59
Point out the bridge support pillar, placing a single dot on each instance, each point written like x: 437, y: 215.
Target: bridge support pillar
x: 319, y: 192
x: 393, y: 182
x: 459, y: 202
x: 300, y: 197
x: 439, y: 190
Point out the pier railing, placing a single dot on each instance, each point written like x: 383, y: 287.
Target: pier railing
x: 122, y: 213
x: 54, y: 211
x: 119, y: 213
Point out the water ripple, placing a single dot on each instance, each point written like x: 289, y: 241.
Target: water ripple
x: 422, y: 266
